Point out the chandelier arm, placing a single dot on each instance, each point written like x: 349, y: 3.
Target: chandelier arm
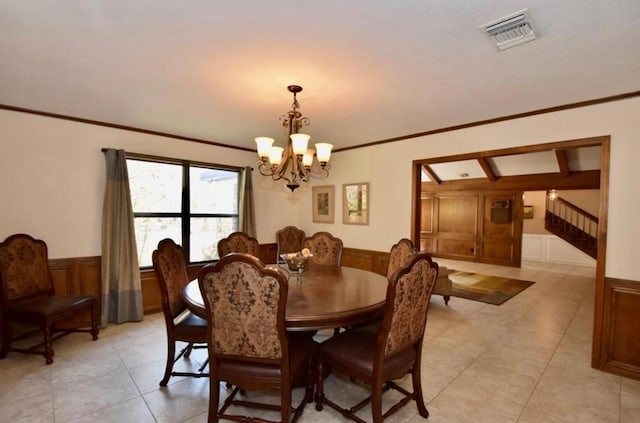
x: 278, y: 172
x: 319, y: 173
x: 274, y: 174
x: 263, y: 169
x: 282, y: 177
x: 303, y: 172
x: 291, y: 157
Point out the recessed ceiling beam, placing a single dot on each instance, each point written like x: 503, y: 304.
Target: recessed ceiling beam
x: 583, y: 142
x: 486, y: 167
x: 563, y: 163
x: 589, y: 179
x: 432, y: 175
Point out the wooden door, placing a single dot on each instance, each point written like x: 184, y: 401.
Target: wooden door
x: 501, y: 231
x: 475, y: 226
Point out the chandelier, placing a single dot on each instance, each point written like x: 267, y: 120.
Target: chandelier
x: 297, y: 163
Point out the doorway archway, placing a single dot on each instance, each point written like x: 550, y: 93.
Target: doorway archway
x: 430, y: 175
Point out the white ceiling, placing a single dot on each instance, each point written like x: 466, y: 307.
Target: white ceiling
x: 371, y: 70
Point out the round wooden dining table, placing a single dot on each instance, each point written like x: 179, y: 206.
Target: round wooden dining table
x: 325, y: 297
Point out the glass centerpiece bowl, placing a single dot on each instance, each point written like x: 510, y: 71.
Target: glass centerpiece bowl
x: 297, y: 262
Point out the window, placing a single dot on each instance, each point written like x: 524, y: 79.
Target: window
x: 193, y: 204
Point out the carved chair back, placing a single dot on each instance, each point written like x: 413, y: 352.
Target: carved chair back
x: 399, y: 254
x: 289, y: 240
x: 246, y: 303
x: 238, y: 242
x: 326, y: 249
x: 406, y: 305
x: 171, y: 270
x: 24, y: 268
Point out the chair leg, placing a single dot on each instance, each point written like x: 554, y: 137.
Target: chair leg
x: 6, y: 337
x: 48, y: 351
x: 446, y: 299
x: 94, y: 323
x: 311, y: 366
x: 417, y: 391
x: 171, y: 352
x: 285, y: 401
x: 319, y: 388
x: 187, y: 350
x: 214, y: 398
x: 376, y: 401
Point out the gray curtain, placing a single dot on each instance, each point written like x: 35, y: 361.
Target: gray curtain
x: 247, y: 215
x: 121, y: 288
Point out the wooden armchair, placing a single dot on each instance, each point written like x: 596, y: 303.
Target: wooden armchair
x: 238, y: 242
x: 249, y: 346
x: 326, y: 249
x: 28, y: 297
x: 379, y: 355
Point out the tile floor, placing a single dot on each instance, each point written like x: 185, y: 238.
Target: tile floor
x: 524, y: 361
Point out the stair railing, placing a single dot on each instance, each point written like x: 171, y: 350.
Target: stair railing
x: 571, y: 217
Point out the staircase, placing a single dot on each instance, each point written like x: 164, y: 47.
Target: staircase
x: 572, y: 224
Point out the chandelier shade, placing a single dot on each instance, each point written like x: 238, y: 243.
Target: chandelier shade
x: 295, y: 163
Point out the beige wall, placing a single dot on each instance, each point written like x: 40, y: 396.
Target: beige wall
x: 52, y: 177
x: 586, y: 199
x: 388, y: 169
x: 537, y: 200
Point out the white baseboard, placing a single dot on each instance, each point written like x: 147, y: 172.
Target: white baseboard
x: 552, y: 249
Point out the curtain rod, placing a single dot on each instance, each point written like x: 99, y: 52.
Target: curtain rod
x: 104, y: 150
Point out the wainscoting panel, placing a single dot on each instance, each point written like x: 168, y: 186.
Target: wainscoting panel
x: 373, y: 261
x: 151, y: 298
x: 77, y: 276
x: 497, y: 252
x: 481, y: 226
x: 456, y: 248
x: 550, y: 248
x: 621, y: 326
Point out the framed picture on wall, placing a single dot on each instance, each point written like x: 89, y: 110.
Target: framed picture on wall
x: 355, y: 203
x: 323, y: 203
x: 528, y: 212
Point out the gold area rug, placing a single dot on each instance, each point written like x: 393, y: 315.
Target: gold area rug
x: 488, y: 289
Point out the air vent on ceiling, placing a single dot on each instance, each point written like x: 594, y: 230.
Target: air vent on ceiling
x: 512, y: 30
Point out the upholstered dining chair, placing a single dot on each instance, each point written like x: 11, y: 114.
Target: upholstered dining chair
x: 289, y: 240
x: 326, y: 248
x: 28, y: 297
x: 238, y: 242
x: 181, y: 325
x: 378, y: 355
x: 402, y: 251
x: 248, y: 344
x: 399, y: 254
